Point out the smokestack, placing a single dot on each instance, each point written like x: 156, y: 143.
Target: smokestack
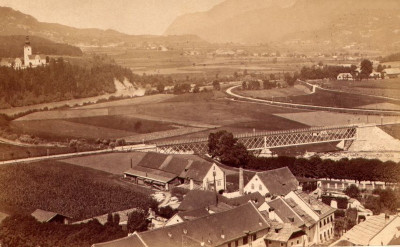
x: 191, y: 184
x: 241, y: 181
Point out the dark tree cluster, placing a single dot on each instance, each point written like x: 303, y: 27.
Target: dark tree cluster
x: 391, y: 58
x: 355, y: 169
x: 330, y: 72
x: 224, y: 146
x: 58, y: 81
x: 24, y: 230
x: 383, y: 201
x: 12, y: 47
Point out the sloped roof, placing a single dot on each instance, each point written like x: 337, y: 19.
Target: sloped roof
x: 307, y: 219
x: 193, y: 214
x: 152, y: 174
x: 362, y: 233
x: 320, y: 208
x: 392, y: 71
x: 232, y: 224
x: 220, y: 207
x: 196, y: 199
x: 182, y: 166
x: 255, y: 197
x: 44, y: 216
x: 129, y: 241
x: 279, y: 181
x: 196, y: 170
x: 287, y: 232
x: 285, y: 212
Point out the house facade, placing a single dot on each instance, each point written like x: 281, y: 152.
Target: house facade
x: 164, y: 172
x: 345, y: 77
x: 276, y: 182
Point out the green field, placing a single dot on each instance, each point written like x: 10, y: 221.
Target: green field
x: 75, y: 191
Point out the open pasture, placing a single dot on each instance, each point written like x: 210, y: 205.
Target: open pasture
x: 385, y: 88
x: 275, y: 92
x: 182, y: 115
x: 335, y: 99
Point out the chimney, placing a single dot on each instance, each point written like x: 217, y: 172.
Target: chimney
x: 241, y: 181
x: 191, y: 184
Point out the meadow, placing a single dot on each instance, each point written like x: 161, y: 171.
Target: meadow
x: 8, y: 152
x: 184, y: 115
x: 76, y: 191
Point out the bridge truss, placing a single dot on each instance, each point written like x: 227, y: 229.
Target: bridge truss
x: 267, y: 140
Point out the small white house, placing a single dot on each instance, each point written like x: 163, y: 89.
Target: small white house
x: 273, y: 182
x: 344, y: 77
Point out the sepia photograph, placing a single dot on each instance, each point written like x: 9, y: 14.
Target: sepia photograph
x: 199, y: 123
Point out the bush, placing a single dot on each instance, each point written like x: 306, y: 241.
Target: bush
x: 167, y: 212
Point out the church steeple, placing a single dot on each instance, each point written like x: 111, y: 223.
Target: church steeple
x: 27, y: 41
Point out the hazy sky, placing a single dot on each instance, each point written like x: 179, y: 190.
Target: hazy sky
x: 129, y: 16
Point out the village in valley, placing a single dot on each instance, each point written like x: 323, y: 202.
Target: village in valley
x: 278, y: 133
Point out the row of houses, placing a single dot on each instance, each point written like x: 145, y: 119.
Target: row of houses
x: 386, y: 73
x: 270, y: 212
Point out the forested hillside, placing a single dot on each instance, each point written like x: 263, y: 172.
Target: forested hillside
x: 58, y: 81
x: 13, y: 46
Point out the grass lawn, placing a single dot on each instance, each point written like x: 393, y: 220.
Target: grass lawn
x: 76, y: 191
x: 115, y: 163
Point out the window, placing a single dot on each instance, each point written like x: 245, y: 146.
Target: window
x: 218, y: 183
x: 260, y: 187
x: 298, y: 241
x: 320, y: 237
x: 269, y: 241
x: 245, y: 240
x: 291, y: 244
x: 281, y: 244
x: 229, y: 244
x: 236, y: 243
x: 320, y: 224
x: 254, y: 237
x: 252, y: 186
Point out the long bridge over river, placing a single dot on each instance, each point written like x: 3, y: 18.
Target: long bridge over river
x: 267, y: 140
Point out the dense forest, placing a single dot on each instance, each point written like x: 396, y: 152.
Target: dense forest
x: 13, y: 46
x: 60, y: 80
x: 391, y: 58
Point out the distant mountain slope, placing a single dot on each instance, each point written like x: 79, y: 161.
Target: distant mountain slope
x: 273, y: 20
x: 12, y: 46
x: 13, y: 22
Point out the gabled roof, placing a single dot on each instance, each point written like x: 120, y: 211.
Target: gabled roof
x: 307, y: 219
x: 320, y: 208
x: 232, y: 224
x: 196, y: 199
x: 152, y: 174
x: 129, y: 241
x: 220, y: 207
x: 392, y: 71
x: 287, y: 232
x: 193, y: 214
x: 285, y: 212
x: 364, y: 232
x: 279, y: 181
x: 45, y: 216
x: 184, y: 167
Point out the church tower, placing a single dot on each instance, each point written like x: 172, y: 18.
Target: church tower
x: 27, y: 51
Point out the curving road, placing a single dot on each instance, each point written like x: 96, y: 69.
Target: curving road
x: 307, y: 107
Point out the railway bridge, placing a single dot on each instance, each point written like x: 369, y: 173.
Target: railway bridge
x: 256, y: 142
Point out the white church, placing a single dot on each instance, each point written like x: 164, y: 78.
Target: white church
x: 29, y: 60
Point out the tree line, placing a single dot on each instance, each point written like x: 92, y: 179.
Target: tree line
x: 223, y: 146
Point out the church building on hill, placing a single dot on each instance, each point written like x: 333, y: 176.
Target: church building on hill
x: 29, y: 60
